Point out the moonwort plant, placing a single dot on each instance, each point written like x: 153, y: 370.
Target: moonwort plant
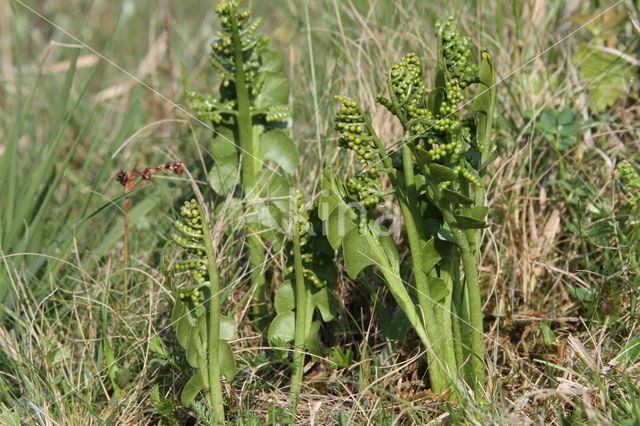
x: 249, y: 122
x: 201, y: 329
x: 436, y: 177
x: 306, y: 289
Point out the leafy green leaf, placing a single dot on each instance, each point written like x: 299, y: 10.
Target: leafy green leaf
x: 439, y: 173
x: 326, y: 303
x: 224, y: 173
x: 608, y: 76
x: 271, y: 61
x: 276, y: 188
x: 275, y: 90
x: 285, y: 298
x: 191, y: 389
x: 183, y: 329
x: 438, y: 289
x: 455, y: 197
x: 227, y: 360
x: 196, y: 350
x: 358, y: 252
x: 311, y: 340
x: 228, y: 328
x: 282, y: 327
x: 222, y: 177
x: 177, y: 312
x: 338, y: 225
x: 390, y: 250
x: 279, y: 148
x: 472, y: 217
x: 430, y: 256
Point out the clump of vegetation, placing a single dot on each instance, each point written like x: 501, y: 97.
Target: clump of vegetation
x: 441, y: 262
x: 248, y: 120
x: 201, y: 329
x: 435, y: 171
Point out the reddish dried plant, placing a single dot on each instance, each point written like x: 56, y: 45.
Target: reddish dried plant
x: 129, y: 180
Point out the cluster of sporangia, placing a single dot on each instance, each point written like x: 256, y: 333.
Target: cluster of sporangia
x: 222, y: 58
x: 191, y: 238
x: 351, y: 123
x: 308, y: 257
x: 631, y: 181
x: 436, y: 129
x: 222, y: 49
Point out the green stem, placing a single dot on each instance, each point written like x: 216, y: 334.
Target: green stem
x: 126, y: 250
x: 250, y: 167
x: 441, y: 357
x: 213, y: 345
x: 472, y: 290
x: 301, y: 320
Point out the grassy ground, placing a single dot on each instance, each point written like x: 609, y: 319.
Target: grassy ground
x: 88, y: 88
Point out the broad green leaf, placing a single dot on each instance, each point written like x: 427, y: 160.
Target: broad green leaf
x: 227, y: 360
x: 196, y: 351
x: 276, y: 188
x: 311, y: 340
x: 177, y: 312
x: 271, y: 61
x: 455, y: 197
x: 338, y: 225
x: 476, y: 212
x: 156, y: 346
x: 446, y: 235
x: 439, y: 173
x: 228, y: 328
x: 285, y: 298
x: 485, y: 91
x: 282, y: 327
x: 430, y: 256
x: 191, y: 389
x: 278, y: 147
x: 326, y: 303
x: 224, y: 172
x: 267, y: 216
x: 332, y: 193
x: 390, y: 250
x: 223, y: 146
x: 472, y: 217
x: 185, y: 326
x: 357, y: 252
x: 327, y: 204
x: 438, y: 289
x: 223, y: 177
x: 467, y: 222
x: 274, y: 91
x: 608, y: 76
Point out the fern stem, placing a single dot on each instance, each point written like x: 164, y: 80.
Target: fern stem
x: 301, y: 320
x: 215, y: 386
x: 250, y: 166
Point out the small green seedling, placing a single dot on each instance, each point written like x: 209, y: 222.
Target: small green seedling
x: 249, y: 122
x: 436, y: 177
x: 201, y: 329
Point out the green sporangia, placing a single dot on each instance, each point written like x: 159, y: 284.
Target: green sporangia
x: 249, y: 118
x: 436, y: 171
x: 201, y: 329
